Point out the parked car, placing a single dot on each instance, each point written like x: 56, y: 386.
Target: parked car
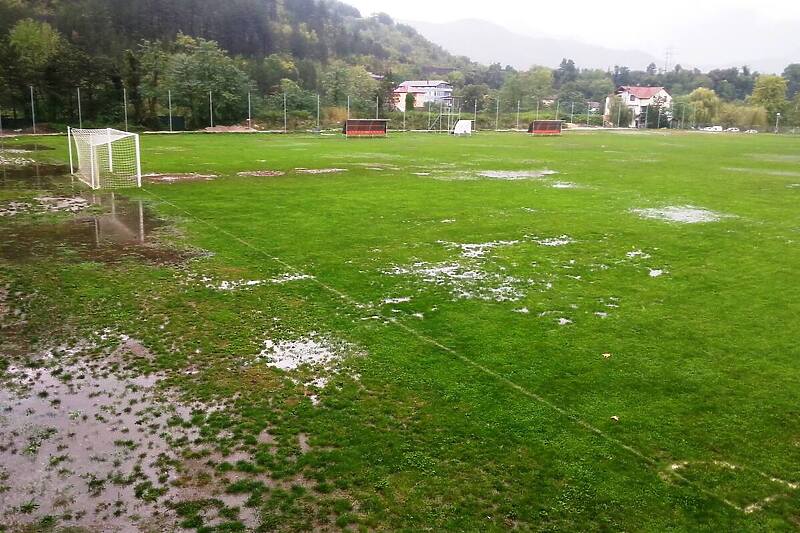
x: 751, y: 131
x: 733, y: 130
x: 712, y: 128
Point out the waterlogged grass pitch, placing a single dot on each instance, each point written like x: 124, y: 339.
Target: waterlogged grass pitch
x: 596, y: 331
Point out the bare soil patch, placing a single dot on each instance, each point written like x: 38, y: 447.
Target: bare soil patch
x: 177, y: 178
x: 261, y: 173
x: 683, y: 214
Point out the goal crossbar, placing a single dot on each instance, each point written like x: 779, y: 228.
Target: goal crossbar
x: 105, y: 158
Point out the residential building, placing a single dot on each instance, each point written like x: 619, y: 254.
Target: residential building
x: 638, y: 99
x: 424, y: 91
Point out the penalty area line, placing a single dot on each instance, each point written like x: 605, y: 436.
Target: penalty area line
x: 571, y: 416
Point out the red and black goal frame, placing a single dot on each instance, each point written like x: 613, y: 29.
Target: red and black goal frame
x: 366, y: 127
x: 546, y: 127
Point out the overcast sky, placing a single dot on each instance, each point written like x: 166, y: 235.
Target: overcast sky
x: 700, y: 32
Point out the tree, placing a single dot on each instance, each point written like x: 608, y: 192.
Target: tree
x: 705, y: 105
x: 566, y: 73
x: 36, y: 43
x: 474, y: 94
x: 792, y: 75
x: 410, y: 102
x: 200, y: 67
x: 770, y: 93
x: 619, y: 114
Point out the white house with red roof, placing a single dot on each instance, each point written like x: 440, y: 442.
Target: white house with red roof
x: 424, y: 91
x: 638, y: 99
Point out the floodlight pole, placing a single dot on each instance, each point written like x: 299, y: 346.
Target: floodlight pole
x: 33, y: 112
x: 211, y: 108
x: 683, y: 116
x: 80, y: 116
x: 169, y: 101
x: 125, y: 105
x: 285, y: 116
x: 588, y: 113
x: 497, y: 116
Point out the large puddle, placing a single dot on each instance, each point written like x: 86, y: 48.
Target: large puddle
x: 87, y: 445
x: 125, y: 229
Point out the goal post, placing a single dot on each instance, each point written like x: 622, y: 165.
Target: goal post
x: 105, y: 158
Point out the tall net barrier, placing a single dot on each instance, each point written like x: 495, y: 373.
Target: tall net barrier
x: 105, y: 158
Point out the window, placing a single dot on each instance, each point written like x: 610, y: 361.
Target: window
x: 633, y: 98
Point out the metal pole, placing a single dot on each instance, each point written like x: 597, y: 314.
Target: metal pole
x: 33, y: 112
x: 572, y: 113
x: 404, y: 120
x: 777, y: 122
x: 497, y: 116
x: 138, y: 161
x: 317, y: 112
x: 249, y: 112
x: 348, y: 107
x: 169, y: 100
x: 658, y: 119
x: 125, y: 105
x: 69, y: 142
x: 518, y: 104
x: 683, y: 115
x: 211, y: 108
x: 619, y: 111
x: 80, y: 115
x: 537, y: 109
x: 588, y: 112
x: 558, y: 107
x: 475, y: 115
x: 285, y: 116
x: 646, y: 116
x: 377, y: 107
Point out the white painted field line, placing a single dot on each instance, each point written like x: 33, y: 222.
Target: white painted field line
x: 486, y: 370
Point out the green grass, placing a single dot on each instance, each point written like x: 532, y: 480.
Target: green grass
x: 477, y: 417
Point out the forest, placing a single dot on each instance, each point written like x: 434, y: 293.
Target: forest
x: 134, y: 59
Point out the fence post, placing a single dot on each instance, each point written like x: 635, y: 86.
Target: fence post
x: 211, y: 108
x: 33, y: 112
x: 169, y: 101
x: 497, y: 116
x: 80, y: 114
x: 285, y: 117
x: 69, y: 142
x: 125, y: 105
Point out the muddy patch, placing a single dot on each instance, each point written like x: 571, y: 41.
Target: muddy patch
x: 89, y: 446
x: 319, y: 170
x: 245, y: 284
x: 561, y: 240
x: 512, y: 175
x: 45, y: 204
x: 178, y: 178
x: 261, y: 174
x: 465, y: 281
x: 682, y: 214
x: 564, y: 185
x: 127, y: 230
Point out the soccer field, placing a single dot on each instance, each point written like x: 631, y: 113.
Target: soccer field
x: 597, y: 331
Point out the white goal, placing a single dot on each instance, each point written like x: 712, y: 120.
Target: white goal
x: 106, y: 158
x: 463, y: 127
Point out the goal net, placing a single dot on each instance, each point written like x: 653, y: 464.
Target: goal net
x: 105, y: 158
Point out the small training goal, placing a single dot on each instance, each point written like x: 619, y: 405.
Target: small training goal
x: 463, y: 127
x: 105, y: 158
